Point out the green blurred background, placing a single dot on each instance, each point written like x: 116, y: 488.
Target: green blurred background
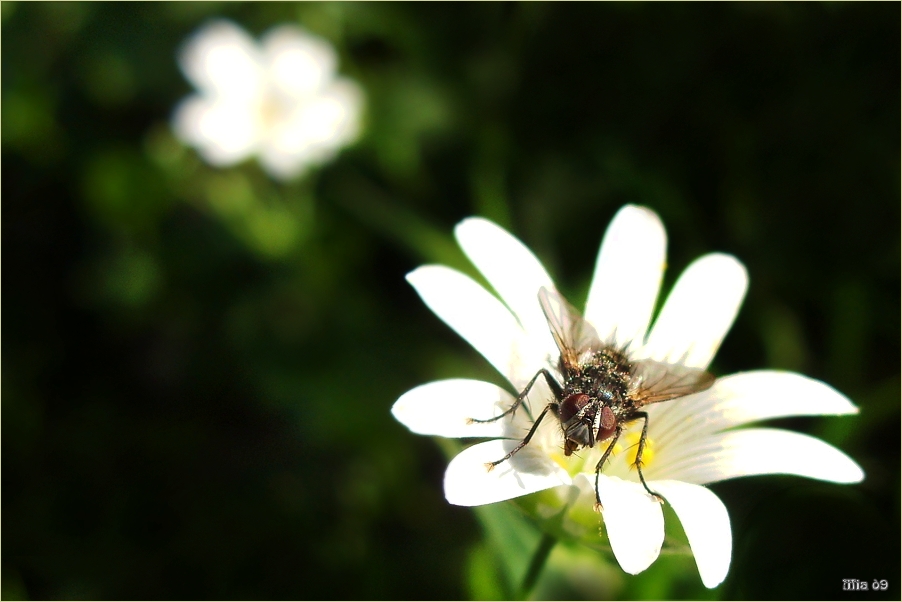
x: 198, y: 364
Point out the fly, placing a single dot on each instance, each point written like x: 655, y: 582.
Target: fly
x: 602, y: 389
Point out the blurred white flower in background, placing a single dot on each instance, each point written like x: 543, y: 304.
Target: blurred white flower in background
x: 279, y: 100
x: 692, y: 441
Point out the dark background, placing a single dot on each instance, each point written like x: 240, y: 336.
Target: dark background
x: 188, y: 413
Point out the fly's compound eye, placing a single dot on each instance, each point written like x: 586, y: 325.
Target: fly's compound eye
x: 572, y: 405
x: 608, y: 424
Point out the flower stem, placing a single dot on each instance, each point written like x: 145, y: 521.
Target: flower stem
x: 543, y: 551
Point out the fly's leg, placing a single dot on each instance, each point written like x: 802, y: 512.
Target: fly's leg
x: 601, y: 462
x: 555, y: 388
x: 638, y: 462
x: 490, y: 465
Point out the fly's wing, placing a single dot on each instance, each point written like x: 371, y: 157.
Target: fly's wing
x: 571, y: 332
x: 654, y: 381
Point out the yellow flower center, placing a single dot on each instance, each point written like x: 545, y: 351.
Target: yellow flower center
x: 271, y: 113
x: 584, y: 460
x: 632, y: 449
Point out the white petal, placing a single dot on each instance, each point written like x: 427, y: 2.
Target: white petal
x: 469, y: 483
x: 480, y: 318
x: 324, y: 123
x: 699, y: 311
x: 512, y: 269
x: 746, y: 397
x: 627, y: 275
x: 762, y: 394
x: 633, y: 520
x: 299, y: 62
x: 310, y: 132
x: 707, y: 526
x: 222, y: 58
x: 283, y: 163
x: 224, y: 132
x: 444, y: 408
x: 748, y: 452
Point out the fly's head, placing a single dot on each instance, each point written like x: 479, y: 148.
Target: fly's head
x: 585, y: 421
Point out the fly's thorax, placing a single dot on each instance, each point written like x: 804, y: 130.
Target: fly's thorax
x: 595, y: 397
x: 604, y: 376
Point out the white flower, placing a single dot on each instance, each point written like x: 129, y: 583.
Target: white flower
x: 692, y: 440
x: 279, y: 100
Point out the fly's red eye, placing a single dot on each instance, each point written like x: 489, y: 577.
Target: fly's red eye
x: 608, y: 424
x: 572, y: 405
